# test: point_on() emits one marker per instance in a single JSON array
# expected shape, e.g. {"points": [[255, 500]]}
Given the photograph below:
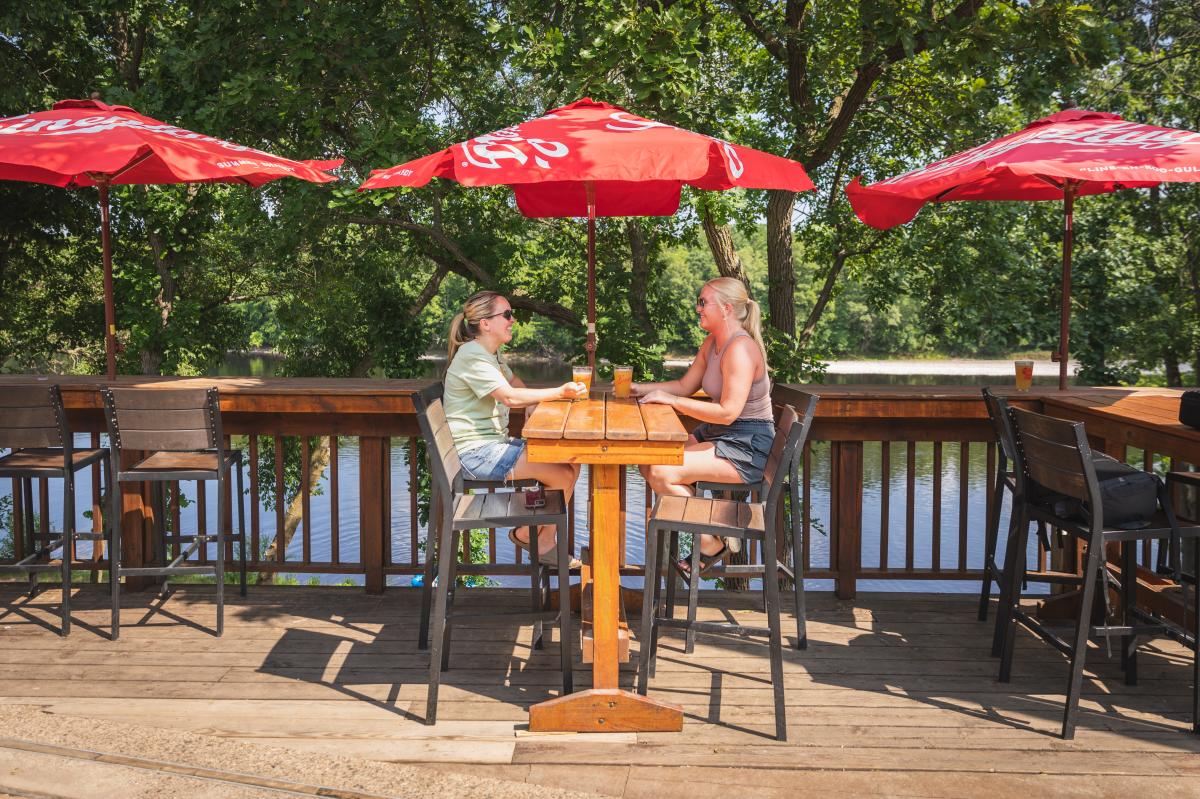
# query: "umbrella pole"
{"points": [[591, 253], [1065, 318], [110, 322]]}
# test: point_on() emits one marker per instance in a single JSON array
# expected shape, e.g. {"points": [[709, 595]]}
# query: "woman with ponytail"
{"points": [[732, 444], [479, 390]]}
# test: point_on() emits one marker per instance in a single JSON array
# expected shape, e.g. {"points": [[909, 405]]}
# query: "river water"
{"points": [[541, 371]]}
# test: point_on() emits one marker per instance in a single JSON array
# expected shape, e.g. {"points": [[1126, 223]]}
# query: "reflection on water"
{"points": [[954, 528]]}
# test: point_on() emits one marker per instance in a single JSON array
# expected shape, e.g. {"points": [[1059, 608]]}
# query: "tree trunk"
{"points": [[318, 461], [720, 242], [1174, 378], [781, 273], [639, 249]]}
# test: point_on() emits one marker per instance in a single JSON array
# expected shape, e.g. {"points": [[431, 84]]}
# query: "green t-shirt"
{"points": [[475, 417]]}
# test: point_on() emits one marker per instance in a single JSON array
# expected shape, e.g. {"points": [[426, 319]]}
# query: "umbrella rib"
{"points": [[135, 162]]}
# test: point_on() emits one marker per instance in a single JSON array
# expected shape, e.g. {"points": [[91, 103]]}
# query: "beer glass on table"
{"points": [[622, 380], [582, 374]]}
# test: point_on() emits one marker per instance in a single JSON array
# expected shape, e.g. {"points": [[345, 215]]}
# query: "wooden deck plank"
{"points": [[896, 685]]}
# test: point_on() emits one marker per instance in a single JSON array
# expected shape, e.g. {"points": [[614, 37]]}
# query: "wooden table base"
{"points": [[605, 708]]}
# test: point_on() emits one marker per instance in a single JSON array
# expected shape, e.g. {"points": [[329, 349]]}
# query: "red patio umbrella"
{"points": [[593, 159], [1060, 157], [88, 143]]}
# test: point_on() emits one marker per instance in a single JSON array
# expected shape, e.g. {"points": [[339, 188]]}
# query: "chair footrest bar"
{"points": [[1167, 629], [1044, 632], [720, 628], [549, 615], [166, 571], [1102, 630]]}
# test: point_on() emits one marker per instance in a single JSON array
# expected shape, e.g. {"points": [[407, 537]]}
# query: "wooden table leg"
{"points": [[605, 708]]}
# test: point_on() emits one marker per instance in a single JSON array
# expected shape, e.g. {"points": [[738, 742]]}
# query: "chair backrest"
{"points": [[172, 420], [1055, 454], [439, 441], [787, 449], [997, 409], [32, 416]]}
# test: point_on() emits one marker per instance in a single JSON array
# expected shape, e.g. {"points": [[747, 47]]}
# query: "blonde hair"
{"points": [[465, 325], [731, 291]]}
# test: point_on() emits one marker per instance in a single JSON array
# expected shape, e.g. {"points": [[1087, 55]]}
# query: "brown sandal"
{"points": [[684, 564], [547, 558]]}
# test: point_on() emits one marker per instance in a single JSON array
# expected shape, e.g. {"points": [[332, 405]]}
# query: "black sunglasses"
{"points": [[507, 314]]}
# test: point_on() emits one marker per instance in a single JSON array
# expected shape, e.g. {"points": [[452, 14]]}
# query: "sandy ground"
{"points": [[44, 755]]}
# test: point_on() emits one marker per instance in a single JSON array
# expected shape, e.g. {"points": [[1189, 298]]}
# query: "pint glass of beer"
{"points": [[582, 374], [622, 380], [1024, 374]]}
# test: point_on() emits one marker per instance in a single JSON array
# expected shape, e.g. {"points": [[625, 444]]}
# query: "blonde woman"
{"points": [[479, 391], [732, 444]]}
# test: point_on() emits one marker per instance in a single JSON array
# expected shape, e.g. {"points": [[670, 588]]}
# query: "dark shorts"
{"points": [[746, 444]]}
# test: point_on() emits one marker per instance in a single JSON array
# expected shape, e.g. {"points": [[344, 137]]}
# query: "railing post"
{"points": [[137, 523], [846, 505], [373, 508]]}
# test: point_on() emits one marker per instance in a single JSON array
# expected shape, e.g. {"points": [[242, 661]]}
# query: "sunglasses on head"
{"points": [[507, 314]]}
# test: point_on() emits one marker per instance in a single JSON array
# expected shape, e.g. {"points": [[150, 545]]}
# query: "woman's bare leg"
{"points": [[700, 462], [559, 476]]}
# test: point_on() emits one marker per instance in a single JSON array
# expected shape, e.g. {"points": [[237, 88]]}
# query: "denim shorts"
{"points": [[746, 444], [493, 460]]}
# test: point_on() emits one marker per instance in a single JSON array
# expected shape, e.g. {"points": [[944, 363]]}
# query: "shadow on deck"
{"points": [[896, 694]]}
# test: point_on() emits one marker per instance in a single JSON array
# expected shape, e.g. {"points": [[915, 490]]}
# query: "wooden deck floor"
{"points": [[896, 695]]}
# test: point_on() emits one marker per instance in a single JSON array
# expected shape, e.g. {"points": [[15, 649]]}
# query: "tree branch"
{"points": [[768, 40], [847, 104]]}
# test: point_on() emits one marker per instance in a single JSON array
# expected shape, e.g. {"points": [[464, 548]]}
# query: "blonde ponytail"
{"points": [[752, 322], [465, 325], [731, 291]]}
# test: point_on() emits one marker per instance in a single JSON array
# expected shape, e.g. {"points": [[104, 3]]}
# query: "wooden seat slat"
{"points": [[182, 461], [27, 417], [662, 423], [670, 507], [152, 398], [164, 419], [43, 458], [585, 421], [725, 513], [25, 396], [623, 420], [698, 510], [506, 505], [178, 440]]}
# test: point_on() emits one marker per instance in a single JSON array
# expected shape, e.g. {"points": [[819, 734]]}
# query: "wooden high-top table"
{"points": [[607, 434]]}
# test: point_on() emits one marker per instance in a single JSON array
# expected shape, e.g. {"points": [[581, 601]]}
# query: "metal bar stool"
{"points": [[1006, 481], [179, 433], [1055, 454], [461, 512], [34, 427], [756, 492], [462, 485], [757, 521]]}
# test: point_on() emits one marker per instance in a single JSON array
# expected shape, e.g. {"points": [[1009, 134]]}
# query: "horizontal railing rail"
{"points": [[895, 485]]}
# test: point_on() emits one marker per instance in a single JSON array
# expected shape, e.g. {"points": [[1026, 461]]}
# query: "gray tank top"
{"points": [[758, 402]]}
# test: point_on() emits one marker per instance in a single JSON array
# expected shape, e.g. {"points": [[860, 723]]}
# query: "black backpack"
{"points": [[1129, 495]]}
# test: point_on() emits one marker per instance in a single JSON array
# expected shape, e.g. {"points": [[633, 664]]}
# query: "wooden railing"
{"points": [[896, 426]]}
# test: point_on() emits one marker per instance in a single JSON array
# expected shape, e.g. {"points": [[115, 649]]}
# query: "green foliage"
{"points": [[344, 283], [6, 528]]}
